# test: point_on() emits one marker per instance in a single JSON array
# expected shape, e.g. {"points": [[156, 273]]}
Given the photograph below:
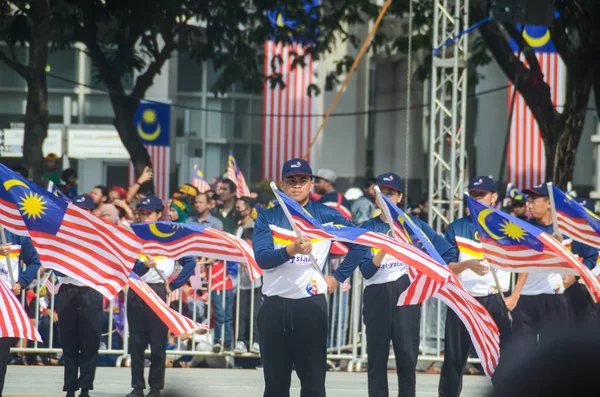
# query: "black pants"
{"points": [[246, 313], [385, 321], [538, 316], [457, 345], [5, 345], [145, 327], [293, 333], [80, 315], [582, 309]]}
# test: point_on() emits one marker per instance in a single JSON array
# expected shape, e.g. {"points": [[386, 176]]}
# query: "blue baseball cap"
{"points": [[296, 167], [150, 203], [84, 201], [587, 203], [538, 190], [390, 180], [482, 184]]}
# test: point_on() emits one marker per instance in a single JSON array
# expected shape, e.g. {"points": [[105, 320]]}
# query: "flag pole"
{"points": [[294, 227], [552, 204], [493, 270], [8, 265]]}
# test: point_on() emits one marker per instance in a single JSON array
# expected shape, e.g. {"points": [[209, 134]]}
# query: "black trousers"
{"points": [[145, 327], [5, 345], [385, 321], [293, 334], [458, 345], [246, 313], [538, 316], [582, 309], [80, 315]]}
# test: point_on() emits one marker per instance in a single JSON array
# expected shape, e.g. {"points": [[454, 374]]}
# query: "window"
{"points": [[8, 77], [189, 74], [63, 64], [241, 119]]}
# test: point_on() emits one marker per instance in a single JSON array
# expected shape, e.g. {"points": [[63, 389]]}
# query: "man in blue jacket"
{"points": [[386, 278], [292, 321], [145, 327], [16, 250]]}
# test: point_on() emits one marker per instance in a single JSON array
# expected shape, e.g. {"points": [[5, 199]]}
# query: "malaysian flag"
{"points": [[515, 245], [402, 251], [175, 240], [152, 121], [67, 238], [235, 174], [289, 123], [176, 322], [526, 157], [174, 296], [14, 321], [574, 220], [477, 320], [198, 180]]}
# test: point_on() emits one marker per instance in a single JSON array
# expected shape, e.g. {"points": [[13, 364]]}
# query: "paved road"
{"points": [[115, 382]]}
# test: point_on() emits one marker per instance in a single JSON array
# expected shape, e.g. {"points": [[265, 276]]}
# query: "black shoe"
{"points": [[84, 393], [153, 393], [136, 393], [70, 394], [16, 361]]}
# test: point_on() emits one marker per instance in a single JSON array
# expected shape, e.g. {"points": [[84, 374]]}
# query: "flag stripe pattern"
{"points": [[235, 174], [198, 180], [406, 253], [160, 156], [482, 329], [528, 250], [576, 221], [176, 322], [526, 157], [14, 321], [288, 125]]}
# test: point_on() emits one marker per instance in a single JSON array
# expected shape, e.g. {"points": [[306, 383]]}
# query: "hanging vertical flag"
{"points": [[289, 122], [152, 121], [14, 321], [526, 157], [198, 180], [235, 174]]}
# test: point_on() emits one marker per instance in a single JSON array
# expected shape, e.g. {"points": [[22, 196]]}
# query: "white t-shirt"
{"points": [[543, 283], [296, 278], [474, 284], [391, 269], [165, 265], [12, 261]]}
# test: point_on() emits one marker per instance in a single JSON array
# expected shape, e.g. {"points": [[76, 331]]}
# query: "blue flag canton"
{"points": [[504, 229], [198, 174], [538, 38], [573, 209], [165, 232], [300, 25], [41, 210], [152, 121]]}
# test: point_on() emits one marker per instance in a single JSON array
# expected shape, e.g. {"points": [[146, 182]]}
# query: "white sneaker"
{"points": [[255, 348], [217, 348], [240, 348]]}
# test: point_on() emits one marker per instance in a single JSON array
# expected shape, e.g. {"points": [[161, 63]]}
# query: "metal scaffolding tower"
{"points": [[447, 157]]}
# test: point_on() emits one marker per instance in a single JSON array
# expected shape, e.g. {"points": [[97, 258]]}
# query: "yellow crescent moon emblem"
{"points": [[537, 42], [280, 20], [154, 230], [149, 117], [481, 219], [14, 182]]}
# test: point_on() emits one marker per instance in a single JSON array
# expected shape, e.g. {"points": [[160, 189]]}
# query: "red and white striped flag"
{"points": [[67, 238], [160, 156], [243, 248], [176, 322], [288, 124], [14, 321], [526, 157], [174, 296], [198, 180], [235, 174]]}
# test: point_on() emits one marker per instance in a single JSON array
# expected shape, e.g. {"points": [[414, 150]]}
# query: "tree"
{"points": [[32, 23], [576, 37]]}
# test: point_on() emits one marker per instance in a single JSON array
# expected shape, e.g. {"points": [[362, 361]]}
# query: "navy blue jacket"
{"points": [[28, 256], [446, 251]]}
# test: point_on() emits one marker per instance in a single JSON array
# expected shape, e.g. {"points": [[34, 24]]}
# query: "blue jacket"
{"points": [[28, 255], [446, 251], [268, 257], [188, 265]]}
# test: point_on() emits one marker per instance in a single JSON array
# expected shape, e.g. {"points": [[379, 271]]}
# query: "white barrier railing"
{"points": [[346, 344]]}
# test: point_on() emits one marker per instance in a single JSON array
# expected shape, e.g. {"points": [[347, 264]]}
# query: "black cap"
{"points": [[538, 190], [391, 180], [150, 203], [482, 184], [84, 201], [296, 167]]}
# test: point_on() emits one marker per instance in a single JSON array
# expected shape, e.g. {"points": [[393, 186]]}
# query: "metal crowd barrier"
{"points": [[346, 344]]}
